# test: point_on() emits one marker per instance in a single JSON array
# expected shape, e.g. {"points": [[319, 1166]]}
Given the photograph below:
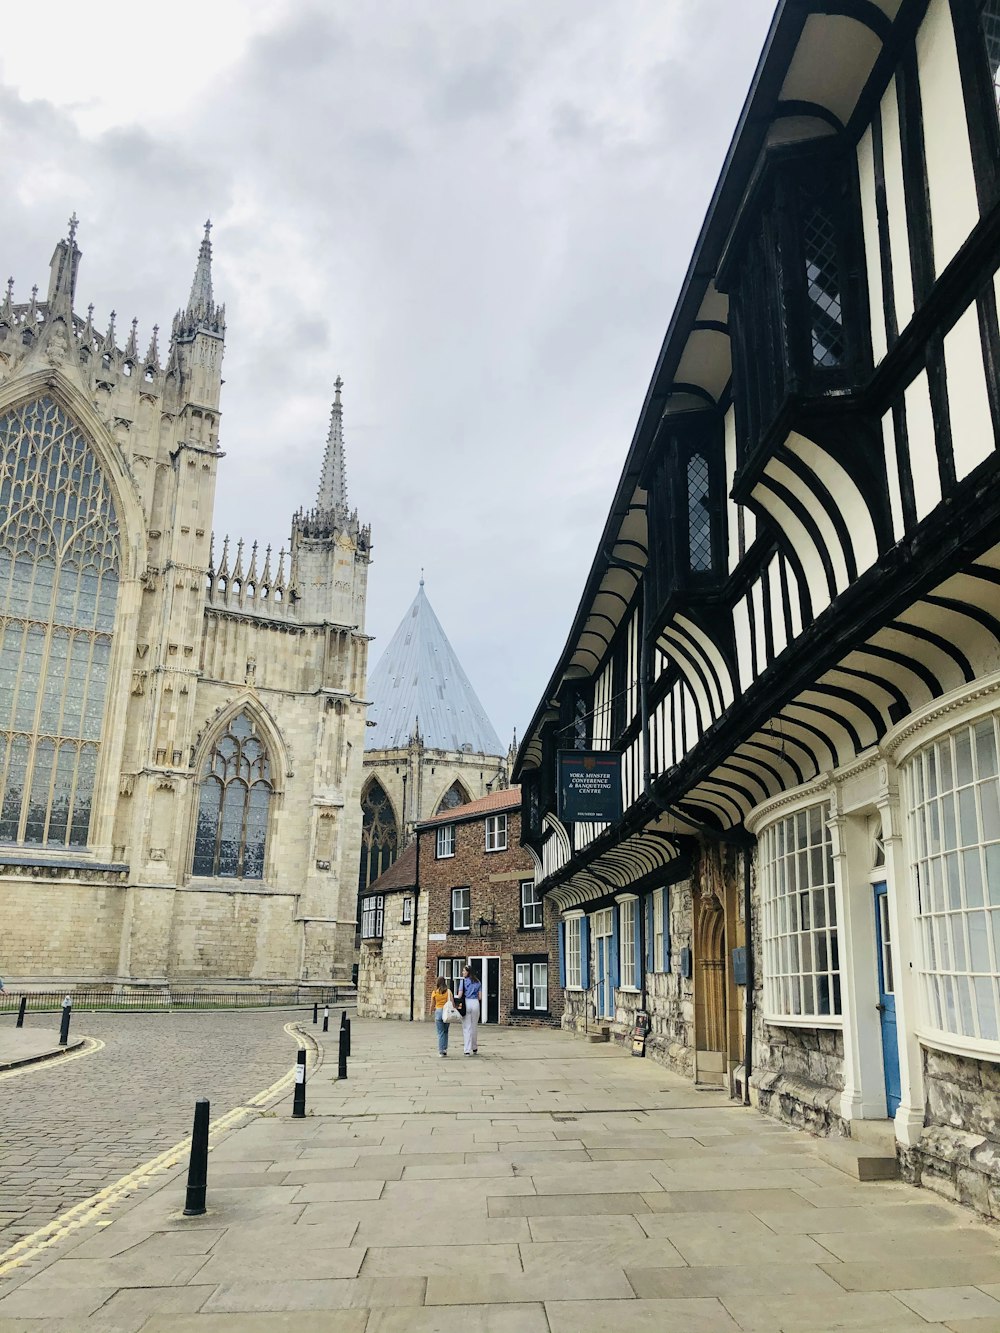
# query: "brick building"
{"points": [[463, 891]]}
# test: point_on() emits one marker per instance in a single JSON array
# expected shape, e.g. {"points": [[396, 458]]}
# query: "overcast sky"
{"points": [[478, 212]]}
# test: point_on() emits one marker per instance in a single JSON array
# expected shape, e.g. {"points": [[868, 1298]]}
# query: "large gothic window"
{"points": [[455, 795], [233, 804], [379, 835], [59, 569]]}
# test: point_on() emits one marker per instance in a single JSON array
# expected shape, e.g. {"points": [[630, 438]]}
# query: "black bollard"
{"points": [[315, 1014], [194, 1202], [20, 1011], [343, 1018], [326, 1019], [299, 1100], [342, 1054], [64, 1025], [347, 1029]]}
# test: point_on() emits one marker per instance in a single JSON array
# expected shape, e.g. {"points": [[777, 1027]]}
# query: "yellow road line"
{"points": [[89, 1210], [89, 1047]]}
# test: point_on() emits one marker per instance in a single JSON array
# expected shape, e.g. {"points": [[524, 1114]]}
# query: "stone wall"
{"points": [[958, 1152], [384, 967], [669, 999], [64, 930], [799, 1076]]}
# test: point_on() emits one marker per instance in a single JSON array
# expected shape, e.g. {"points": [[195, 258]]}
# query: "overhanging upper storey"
{"points": [[825, 396]]}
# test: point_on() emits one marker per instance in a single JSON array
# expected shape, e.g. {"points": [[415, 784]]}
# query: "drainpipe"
{"points": [[416, 917], [748, 940]]}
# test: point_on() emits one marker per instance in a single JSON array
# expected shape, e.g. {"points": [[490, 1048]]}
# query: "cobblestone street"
{"points": [[68, 1129]]}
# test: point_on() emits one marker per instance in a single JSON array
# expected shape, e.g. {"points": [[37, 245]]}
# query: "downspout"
{"points": [[748, 941], [416, 918]]}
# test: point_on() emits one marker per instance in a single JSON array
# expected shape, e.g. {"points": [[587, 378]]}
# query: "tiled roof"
{"points": [[419, 679], [402, 874], [509, 798]]}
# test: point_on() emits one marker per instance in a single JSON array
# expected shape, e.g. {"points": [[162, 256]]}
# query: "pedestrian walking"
{"points": [[470, 988], [441, 997]]}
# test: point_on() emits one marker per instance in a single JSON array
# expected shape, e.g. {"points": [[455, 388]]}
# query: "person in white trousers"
{"points": [[470, 988]]}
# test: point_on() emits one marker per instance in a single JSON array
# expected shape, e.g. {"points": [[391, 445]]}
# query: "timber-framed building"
{"points": [[791, 630]]}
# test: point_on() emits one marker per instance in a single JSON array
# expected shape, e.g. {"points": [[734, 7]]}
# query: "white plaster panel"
{"points": [[923, 450], [869, 218], [804, 547], [841, 485], [828, 533], [777, 606], [899, 244], [712, 653], [741, 618], [795, 599], [972, 434], [952, 185], [757, 592], [892, 473]]}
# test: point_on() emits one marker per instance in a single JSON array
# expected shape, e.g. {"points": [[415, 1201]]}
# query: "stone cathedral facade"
{"points": [[181, 719]]}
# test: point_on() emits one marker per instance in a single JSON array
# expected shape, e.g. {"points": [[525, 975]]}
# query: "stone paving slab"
{"points": [[28, 1045], [573, 1190]]}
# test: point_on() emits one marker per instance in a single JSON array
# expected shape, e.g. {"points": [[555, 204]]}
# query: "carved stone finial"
{"points": [[74, 222]]}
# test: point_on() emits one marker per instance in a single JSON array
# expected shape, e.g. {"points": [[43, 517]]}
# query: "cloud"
{"points": [[478, 214]]}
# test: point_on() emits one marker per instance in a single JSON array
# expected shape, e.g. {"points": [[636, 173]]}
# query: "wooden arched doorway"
{"points": [[711, 998]]}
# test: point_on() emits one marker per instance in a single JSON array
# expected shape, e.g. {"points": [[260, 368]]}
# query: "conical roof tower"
{"points": [[418, 685]]}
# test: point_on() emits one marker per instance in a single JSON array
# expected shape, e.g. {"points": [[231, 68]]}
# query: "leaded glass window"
{"points": [[59, 572], [826, 309], [699, 515], [379, 835], [233, 805]]}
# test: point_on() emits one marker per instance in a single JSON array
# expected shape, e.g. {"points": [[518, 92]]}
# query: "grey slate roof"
{"points": [[420, 677]]}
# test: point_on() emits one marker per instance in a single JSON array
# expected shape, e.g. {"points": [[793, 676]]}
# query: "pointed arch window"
{"points": [[59, 573], [455, 795], [234, 802], [379, 834]]}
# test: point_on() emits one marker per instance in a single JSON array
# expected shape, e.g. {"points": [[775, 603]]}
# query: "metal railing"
{"points": [[118, 999]]}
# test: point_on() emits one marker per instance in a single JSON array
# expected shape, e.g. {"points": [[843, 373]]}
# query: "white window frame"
{"points": [[573, 947], [460, 911], [531, 979], [444, 845], [952, 791], [407, 910], [628, 925], [532, 905], [802, 970], [372, 916], [496, 833], [658, 929]]}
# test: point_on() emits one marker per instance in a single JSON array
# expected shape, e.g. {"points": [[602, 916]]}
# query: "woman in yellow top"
{"points": [[440, 996]]}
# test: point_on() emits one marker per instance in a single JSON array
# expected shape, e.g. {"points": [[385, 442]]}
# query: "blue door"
{"points": [[887, 999], [602, 978]]}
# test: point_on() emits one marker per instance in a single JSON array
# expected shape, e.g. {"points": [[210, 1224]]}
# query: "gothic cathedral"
{"points": [[182, 721]]}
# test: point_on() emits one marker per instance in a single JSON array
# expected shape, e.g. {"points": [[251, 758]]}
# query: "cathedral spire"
{"points": [[200, 300], [62, 274], [333, 479], [201, 315]]}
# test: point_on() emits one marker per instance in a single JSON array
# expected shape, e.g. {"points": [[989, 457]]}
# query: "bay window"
{"points": [[801, 951]]}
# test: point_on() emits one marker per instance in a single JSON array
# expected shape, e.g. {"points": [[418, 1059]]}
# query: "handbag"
{"points": [[450, 1014], [460, 1002]]}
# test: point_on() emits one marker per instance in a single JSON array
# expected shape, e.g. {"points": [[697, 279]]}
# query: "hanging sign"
{"points": [[590, 786]]}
